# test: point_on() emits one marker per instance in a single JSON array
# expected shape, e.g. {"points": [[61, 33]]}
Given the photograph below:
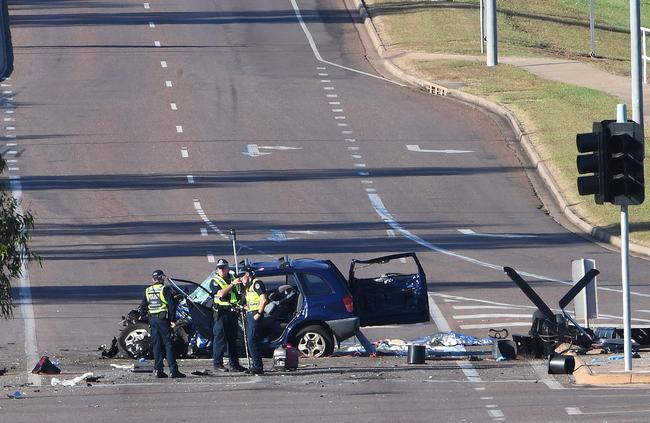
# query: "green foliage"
{"points": [[14, 235]]}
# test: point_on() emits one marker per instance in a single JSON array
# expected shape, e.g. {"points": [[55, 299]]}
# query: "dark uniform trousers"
{"points": [[224, 331], [253, 340], [162, 343]]}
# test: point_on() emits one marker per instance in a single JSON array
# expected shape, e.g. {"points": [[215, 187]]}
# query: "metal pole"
{"points": [[233, 235], [644, 56], [491, 24], [482, 28], [592, 28], [635, 62], [621, 116]]}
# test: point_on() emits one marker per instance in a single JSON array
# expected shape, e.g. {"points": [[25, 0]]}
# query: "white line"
{"points": [[10, 128], [210, 257], [363, 173], [184, 153], [491, 405], [314, 49], [11, 152], [337, 110], [9, 112], [372, 190], [163, 64], [390, 233], [572, 411], [479, 307], [10, 135], [359, 165], [437, 316], [204, 232], [323, 74], [179, 129], [168, 84], [146, 6], [342, 125], [326, 81], [495, 413], [173, 106], [152, 25], [346, 132], [156, 43], [328, 88], [334, 103], [351, 140], [356, 156], [321, 68], [470, 372], [197, 205], [352, 148], [7, 92], [11, 144], [11, 161], [489, 316], [14, 168], [190, 179], [339, 118], [471, 232], [495, 325], [367, 182], [487, 398]]}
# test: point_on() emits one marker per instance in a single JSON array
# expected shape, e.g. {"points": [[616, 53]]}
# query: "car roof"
{"points": [[291, 264]]}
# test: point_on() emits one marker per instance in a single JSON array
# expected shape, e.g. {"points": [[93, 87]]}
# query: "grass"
{"points": [[551, 112]]}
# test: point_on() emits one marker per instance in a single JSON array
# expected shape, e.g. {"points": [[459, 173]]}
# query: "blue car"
{"points": [[312, 305]]}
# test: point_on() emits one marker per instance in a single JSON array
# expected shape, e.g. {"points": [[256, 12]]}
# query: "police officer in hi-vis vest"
{"points": [[226, 290], [256, 300], [159, 304]]}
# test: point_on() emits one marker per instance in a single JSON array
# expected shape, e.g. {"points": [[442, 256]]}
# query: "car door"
{"points": [[389, 290]]}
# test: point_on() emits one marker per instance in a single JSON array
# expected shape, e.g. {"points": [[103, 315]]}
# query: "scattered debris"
{"points": [[142, 369], [45, 366], [70, 382], [93, 379], [16, 395], [109, 352], [123, 366], [3, 371]]}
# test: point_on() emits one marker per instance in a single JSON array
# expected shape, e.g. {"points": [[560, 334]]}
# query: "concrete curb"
{"points": [[583, 375], [537, 163]]}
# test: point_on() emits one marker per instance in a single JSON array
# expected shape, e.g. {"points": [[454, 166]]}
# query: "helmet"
{"points": [[222, 263], [158, 275]]}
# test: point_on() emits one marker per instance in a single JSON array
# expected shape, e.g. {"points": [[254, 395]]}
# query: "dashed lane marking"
{"points": [[204, 232], [152, 25], [190, 179], [573, 411], [210, 257], [184, 153], [168, 84], [163, 64], [156, 43], [146, 6], [173, 106], [179, 129]]}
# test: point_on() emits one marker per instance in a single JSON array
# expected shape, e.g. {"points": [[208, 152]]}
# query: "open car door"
{"points": [[389, 290]]}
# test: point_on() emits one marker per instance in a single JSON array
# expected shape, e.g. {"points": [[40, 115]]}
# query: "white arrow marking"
{"points": [[252, 150], [417, 149], [471, 232], [279, 236]]}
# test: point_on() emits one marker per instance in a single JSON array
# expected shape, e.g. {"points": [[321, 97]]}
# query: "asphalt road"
{"points": [[143, 132]]}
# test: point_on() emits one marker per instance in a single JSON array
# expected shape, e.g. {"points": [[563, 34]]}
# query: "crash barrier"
{"points": [[416, 354], [6, 58]]}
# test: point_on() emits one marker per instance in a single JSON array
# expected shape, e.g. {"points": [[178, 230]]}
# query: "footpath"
{"points": [[590, 369]]}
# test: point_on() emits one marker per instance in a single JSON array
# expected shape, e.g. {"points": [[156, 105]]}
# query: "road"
{"points": [[143, 132]]}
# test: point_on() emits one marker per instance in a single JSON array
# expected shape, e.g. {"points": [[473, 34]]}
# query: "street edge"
{"points": [[536, 162], [584, 375]]}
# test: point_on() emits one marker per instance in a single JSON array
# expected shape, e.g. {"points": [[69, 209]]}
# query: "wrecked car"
{"points": [[312, 306]]}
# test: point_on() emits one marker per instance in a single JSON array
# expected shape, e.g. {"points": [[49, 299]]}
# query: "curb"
{"points": [[532, 155], [583, 375]]}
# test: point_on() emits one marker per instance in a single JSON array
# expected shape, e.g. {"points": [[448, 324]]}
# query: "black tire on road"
{"points": [[135, 341], [314, 341]]}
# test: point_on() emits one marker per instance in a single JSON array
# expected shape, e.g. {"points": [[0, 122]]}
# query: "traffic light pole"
{"points": [[621, 117], [635, 62]]}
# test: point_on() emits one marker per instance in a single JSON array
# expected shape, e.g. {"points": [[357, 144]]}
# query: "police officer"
{"points": [[256, 300], [159, 304], [226, 290]]}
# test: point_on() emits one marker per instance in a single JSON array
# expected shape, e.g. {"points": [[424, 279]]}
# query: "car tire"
{"points": [[314, 341], [135, 341]]}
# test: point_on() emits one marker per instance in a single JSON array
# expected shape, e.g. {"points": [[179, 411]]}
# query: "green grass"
{"points": [[551, 112]]}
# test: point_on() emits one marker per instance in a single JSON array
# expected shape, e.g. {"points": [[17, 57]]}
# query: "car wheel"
{"points": [[135, 341], [314, 341]]}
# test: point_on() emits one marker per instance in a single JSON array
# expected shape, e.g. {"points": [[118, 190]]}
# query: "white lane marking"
{"points": [[359, 165], [9, 112], [252, 150], [437, 316], [152, 25], [495, 413], [13, 168], [197, 204], [204, 232], [8, 92], [156, 43], [314, 49], [210, 257], [346, 132], [416, 148], [367, 181], [323, 74], [356, 156], [487, 398], [146, 6], [279, 236], [5, 85], [337, 110], [11, 161], [278, 147], [480, 307], [490, 316], [471, 232], [179, 129], [541, 370], [173, 106], [491, 405], [25, 296], [572, 411], [326, 81], [390, 233], [332, 95], [381, 210], [470, 372], [321, 68], [11, 152], [10, 128], [363, 173], [334, 103], [11, 144], [495, 325], [10, 136], [168, 84], [373, 190], [351, 140], [190, 179], [480, 388], [351, 148], [184, 153], [343, 125], [339, 118], [328, 88], [163, 64]]}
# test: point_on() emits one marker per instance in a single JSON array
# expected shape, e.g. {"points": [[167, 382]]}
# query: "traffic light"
{"points": [[593, 162], [624, 163]]}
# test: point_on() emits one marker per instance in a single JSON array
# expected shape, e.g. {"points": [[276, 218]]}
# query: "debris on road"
{"points": [[70, 382], [45, 366], [202, 372], [109, 352], [3, 371], [16, 395]]}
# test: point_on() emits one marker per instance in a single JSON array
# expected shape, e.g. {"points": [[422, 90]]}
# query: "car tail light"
{"points": [[349, 305]]}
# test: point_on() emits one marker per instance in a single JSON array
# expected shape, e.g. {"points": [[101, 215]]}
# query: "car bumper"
{"points": [[344, 328]]}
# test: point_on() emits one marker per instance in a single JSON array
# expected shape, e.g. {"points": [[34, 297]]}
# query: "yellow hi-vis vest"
{"points": [[253, 299], [155, 299], [231, 299]]}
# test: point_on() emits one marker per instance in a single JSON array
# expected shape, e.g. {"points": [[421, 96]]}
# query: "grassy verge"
{"points": [[552, 112]]}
